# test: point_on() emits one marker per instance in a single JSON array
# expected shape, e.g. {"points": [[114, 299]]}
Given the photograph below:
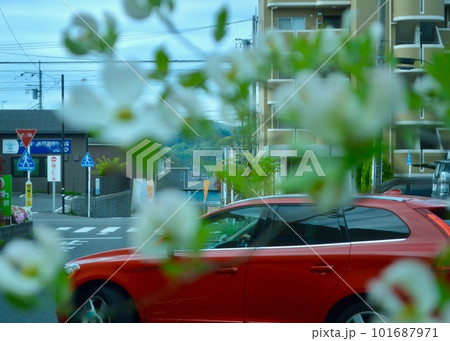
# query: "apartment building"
{"points": [[415, 30]]}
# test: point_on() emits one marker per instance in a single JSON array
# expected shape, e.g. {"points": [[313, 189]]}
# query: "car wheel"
{"points": [[106, 305], [360, 313]]}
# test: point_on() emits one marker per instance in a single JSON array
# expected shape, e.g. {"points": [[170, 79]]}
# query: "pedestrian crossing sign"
{"points": [[26, 163], [87, 161]]}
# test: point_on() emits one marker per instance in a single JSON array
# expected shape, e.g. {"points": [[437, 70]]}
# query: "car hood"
{"points": [[118, 255]]}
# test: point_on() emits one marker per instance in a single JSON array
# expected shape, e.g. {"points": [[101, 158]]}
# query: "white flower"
{"points": [[336, 112], [376, 31], [170, 222], [27, 267], [407, 291], [186, 100], [122, 117], [217, 71], [244, 66]]}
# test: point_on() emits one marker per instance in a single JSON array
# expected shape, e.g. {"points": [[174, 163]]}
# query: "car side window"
{"points": [[234, 228], [368, 223], [302, 224]]}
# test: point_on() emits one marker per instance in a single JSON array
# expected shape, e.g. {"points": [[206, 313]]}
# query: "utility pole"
{"points": [[40, 86], [377, 159], [62, 150]]}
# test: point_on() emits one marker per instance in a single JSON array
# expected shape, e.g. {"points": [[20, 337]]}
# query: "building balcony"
{"points": [[420, 10], [444, 34], [283, 137], [417, 156], [418, 116], [273, 85], [288, 36], [308, 3], [414, 56]]}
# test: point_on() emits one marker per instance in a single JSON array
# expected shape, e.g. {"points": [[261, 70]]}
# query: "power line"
{"points": [[14, 36], [103, 61]]}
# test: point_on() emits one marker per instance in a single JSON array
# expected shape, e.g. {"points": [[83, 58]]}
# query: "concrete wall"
{"points": [[105, 206], [7, 233]]}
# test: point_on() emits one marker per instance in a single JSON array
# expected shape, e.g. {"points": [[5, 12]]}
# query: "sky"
{"points": [[31, 31]]}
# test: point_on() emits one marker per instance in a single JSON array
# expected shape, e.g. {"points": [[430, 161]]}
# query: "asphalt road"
{"points": [[79, 236]]}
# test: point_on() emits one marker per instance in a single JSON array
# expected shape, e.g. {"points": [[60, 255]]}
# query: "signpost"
{"points": [[26, 163], [54, 173], [37, 146], [409, 163], [88, 162]]}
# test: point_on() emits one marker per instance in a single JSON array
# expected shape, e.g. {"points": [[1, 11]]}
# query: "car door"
{"points": [[217, 292], [304, 257]]}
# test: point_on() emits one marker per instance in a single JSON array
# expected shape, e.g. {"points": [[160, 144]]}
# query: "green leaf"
{"points": [[76, 48], [220, 30], [162, 62], [193, 79]]}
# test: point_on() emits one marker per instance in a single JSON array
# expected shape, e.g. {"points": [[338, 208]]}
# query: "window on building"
{"points": [[429, 138], [332, 21], [297, 225], [367, 223], [292, 23], [406, 137], [444, 138]]}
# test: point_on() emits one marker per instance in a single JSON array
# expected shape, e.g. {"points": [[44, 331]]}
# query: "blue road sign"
{"points": [[26, 163], [408, 160], [87, 161]]}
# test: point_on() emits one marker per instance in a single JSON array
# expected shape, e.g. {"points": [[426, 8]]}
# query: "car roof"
{"points": [[413, 201]]}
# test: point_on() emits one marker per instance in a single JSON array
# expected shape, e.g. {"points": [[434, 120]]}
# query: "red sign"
{"points": [[26, 135]]}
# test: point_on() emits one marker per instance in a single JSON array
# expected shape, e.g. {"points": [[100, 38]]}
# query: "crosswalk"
{"points": [[79, 236], [101, 231]]}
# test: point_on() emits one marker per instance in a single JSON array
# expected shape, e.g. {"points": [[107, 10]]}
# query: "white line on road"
{"points": [[109, 230], [64, 228], [90, 238], [85, 229], [132, 229]]}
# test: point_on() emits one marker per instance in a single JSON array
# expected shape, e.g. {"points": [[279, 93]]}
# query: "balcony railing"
{"points": [[432, 10], [308, 3], [417, 156], [417, 54]]}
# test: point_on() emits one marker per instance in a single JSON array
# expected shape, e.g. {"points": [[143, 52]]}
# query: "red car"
{"points": [[275, 259]]}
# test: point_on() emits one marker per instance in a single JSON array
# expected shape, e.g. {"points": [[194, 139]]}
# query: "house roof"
{"points": [[45, 121]]}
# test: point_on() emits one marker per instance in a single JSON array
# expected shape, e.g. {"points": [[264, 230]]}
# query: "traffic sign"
{"points": [[54, 168], [26, 163], [408, 160], [87, 161], [26, 135]]}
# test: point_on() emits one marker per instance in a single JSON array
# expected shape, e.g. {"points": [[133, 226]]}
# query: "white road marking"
{"points": [[91, 238], [85, 229], [75, 242], [64, 228], [67, 248], [132, 229], [109, 230]]}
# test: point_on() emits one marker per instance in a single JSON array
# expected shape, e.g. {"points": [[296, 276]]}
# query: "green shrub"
{"points": [[106, 166]]}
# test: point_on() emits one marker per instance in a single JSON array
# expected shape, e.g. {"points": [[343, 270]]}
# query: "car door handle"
{"points": [[322, 269], [226, 271]]}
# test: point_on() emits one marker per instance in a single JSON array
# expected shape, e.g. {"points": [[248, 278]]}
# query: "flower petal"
{"points": [[123, 82]]}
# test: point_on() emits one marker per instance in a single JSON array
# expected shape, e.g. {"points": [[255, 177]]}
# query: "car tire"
{"points": [[360, 313], [107, 305]]}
